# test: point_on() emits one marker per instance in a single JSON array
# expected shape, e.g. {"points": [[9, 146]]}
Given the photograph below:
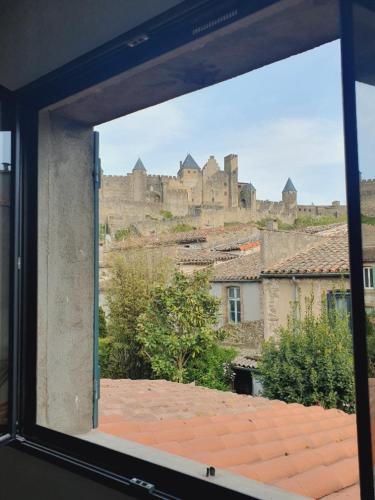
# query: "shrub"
{"points": [[182, 228], [123, 234], [312, 360], [178, 332], [166, 214], [367, 219], [102, 323], [127, 298]]}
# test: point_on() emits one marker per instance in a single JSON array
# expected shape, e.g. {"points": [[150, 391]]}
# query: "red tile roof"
{"points": [[246, 267], [305, 450], [330, 255], [202, 256]]}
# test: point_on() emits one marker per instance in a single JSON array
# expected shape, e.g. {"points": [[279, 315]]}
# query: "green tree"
{"points": [[370, 330], [312, 360], [178, 331], [102, 323], [128, 295]]}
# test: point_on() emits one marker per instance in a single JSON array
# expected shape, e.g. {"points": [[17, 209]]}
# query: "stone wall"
{"points": [[279, 245], [280, 293], [246, 336]]}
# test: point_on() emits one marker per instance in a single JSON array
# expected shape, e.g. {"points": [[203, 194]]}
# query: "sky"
{"points": [[283, 120]]}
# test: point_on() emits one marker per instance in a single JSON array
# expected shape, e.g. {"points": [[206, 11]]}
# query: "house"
{"points": [[257, 295]]}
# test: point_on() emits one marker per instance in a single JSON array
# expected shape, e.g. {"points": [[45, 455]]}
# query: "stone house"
{"points": [[257, 295]]}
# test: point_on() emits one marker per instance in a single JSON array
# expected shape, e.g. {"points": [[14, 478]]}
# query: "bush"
{"points": [[102, 323], [182, 228], [123, 234], [178, 332], [127, 297], [370, 329], [213, 369], [367, 219], [166, 214], [312, 361]]}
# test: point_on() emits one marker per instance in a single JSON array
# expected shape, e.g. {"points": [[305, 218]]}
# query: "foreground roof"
{"points": [[330, 255], [305, 450], [246, 267]]}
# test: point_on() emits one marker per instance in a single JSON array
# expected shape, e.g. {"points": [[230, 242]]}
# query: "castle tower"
{"points": [[248, 197], [190, 176], [289, 195], [139, 181], [231, 169]]}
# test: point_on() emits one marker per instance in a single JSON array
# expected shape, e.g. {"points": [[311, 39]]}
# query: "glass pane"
{"points": [[364, 44], [5, 190], [178, 235]]}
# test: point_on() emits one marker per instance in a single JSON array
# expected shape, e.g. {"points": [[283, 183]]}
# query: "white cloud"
{"points": [[140, 134], [309, 150]]}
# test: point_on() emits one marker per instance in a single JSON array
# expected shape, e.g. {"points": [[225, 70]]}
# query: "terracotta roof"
{"points": [[305, 450], [336, 229], [246, 267], [239, 244], [330, 255], [202, 256]]}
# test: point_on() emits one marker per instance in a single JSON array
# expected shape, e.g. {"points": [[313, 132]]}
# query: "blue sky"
{"points": [[283, 120]]}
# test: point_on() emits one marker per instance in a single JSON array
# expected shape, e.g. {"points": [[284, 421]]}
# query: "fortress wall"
{"points": [[176, 201], [216, 189]]}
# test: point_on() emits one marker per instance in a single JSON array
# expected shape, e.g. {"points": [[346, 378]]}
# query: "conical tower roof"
{"points": [[139, 166], [189, 162], [289, 186]]}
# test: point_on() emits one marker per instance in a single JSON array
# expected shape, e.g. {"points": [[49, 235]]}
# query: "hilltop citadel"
{"points": [[207, 196]]}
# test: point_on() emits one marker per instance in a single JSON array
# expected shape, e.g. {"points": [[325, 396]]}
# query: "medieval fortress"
{"points": [[200, 196]]}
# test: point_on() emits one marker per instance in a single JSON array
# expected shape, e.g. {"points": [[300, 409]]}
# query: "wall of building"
{"points": [[278, 245], [65, 275], [247, 335], [280, 293]]}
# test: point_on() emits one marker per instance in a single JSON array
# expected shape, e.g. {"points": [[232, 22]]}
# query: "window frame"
{"points": [[237, 301], [100, 463], [368, 276]]}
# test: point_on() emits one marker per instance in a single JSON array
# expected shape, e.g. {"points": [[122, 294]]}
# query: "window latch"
{"points": [[143, 484]]}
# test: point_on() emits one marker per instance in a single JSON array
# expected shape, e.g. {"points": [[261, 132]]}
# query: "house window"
{"points": [[339, 301], [368, 277], [234, 304]]}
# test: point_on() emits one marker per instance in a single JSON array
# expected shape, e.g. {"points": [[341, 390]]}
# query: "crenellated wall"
{"points": [[211, 195]]}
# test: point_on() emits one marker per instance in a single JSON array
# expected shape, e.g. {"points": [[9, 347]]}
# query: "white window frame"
{"points": [[234, 299], [368, 278]]}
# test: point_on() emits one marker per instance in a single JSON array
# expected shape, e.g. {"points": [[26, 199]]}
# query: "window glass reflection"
{"points": [[5, 169]]}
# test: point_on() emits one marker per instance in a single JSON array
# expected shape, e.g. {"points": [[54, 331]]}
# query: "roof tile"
{"points": [[306, 450]]}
